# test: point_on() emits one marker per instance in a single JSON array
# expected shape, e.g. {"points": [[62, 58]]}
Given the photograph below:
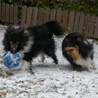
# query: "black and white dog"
{"points": [[78, 51], [30, 41]]}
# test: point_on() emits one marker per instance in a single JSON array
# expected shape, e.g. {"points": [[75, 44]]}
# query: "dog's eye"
{"points": [[79, 39], [16, 43], [66, 39], [10, 42]]}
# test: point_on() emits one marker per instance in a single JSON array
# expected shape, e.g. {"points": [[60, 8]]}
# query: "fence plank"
{"points": [[96, 29], [52, 14], [7, 13], [15, 15], [11, 13], [46, 16], [71, 21], [3, 12], [64, 19], [29, 14], [81, 23], [86, 25], [91, 30], [0, 13], [35, 13], [76, 25], [58, 16], [40, 16], [23, 19]]}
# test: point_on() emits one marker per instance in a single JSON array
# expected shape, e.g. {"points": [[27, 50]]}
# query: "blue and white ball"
{"points": [[11, 60]]}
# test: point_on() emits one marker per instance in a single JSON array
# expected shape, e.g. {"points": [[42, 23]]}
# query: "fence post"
{"points": [[52, 14], [0, 13], [15, 15], [96, 29], [11, 13], [23, 18], [3, 12], [7, 13], [35, 13], [86, 25], [29, 15], [81, 23], [71, 21], [46, 15], [59, 15], [65, 19], [76, 24], [91, 29], [40, 16]]}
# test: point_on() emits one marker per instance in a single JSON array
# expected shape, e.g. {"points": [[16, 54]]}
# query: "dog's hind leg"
{"points": [[43, 57], [53, 56]]}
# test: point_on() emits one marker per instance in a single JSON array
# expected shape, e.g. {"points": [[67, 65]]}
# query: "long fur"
{"points": [[32, 40], [78, 51]]}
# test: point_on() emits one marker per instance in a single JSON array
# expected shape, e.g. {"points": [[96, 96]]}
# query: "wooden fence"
{"points": [[77, 22], [84, 0]]}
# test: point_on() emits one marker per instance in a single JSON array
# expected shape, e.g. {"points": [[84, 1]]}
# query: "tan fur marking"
{"points": [[75, 53], [79, 39]]}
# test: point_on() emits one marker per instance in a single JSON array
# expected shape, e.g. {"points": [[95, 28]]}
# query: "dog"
{"points": [[78, 51], [30, 41]]}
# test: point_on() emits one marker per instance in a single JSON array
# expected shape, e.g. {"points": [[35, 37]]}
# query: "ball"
{"points": [[11, 60]]}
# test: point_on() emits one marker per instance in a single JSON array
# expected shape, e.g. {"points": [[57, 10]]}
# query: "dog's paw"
{"points": [[56, 65], [22, 70], [95, 68], [89, 70]]}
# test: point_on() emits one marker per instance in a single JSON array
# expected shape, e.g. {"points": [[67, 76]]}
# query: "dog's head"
{"points": [[72, 40], [76, 43], [14, 39]]}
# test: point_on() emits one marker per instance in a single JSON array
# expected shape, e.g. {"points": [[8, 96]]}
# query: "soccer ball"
{"points": [[11, 60]]}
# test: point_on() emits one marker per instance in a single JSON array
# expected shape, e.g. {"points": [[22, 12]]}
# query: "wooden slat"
{"points": [[15, 15], [7, 13], [71, 21], [0, 13], [86, 25], [23, 19], [46, 15], [11, 13], [65, 19], [76, 24], [3, 12], [40, 16], [58, 16], [35, 13], [81, 23], [91, 30], [96, 29], [52, 14], [29, 14]]}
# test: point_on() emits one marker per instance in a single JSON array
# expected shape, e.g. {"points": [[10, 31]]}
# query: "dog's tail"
{"points": [[55, 28]]}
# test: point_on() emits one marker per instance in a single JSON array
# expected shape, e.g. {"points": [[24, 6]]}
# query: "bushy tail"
{"points": [[54, 28]]}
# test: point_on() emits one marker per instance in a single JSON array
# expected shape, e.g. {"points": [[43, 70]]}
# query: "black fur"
{"points": [[41, 38], [85, 47]]}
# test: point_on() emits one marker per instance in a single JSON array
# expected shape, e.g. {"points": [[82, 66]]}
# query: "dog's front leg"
{"points": [[26, 65], [94, 65]]}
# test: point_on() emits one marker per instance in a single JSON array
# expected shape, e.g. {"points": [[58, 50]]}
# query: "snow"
{"points": [[48, 81]]}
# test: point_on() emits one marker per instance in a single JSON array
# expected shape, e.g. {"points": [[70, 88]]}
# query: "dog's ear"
{"points": [[10, 29]]}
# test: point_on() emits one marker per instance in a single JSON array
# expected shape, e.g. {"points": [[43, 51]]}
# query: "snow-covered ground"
{"points": [[47, 81]]}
